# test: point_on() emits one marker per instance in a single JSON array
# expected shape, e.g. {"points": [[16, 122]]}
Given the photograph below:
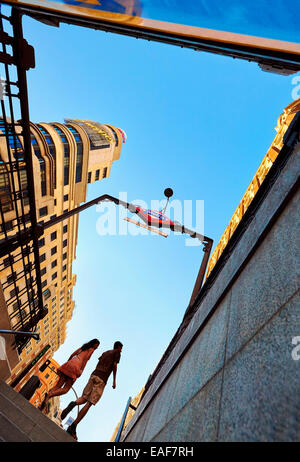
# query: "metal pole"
{"points": [[29, 334], [40, 227], [198, 284], [117, 439], [104, 197], [133, 209]]}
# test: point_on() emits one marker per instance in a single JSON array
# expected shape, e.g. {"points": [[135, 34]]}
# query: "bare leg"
{"points": [[82, 412], [80, 401], [71, 405], [59, 384], [72, 428], [61, 388]]}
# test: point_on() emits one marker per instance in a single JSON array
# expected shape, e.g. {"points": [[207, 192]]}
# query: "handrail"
{"points": [[128, 405]]}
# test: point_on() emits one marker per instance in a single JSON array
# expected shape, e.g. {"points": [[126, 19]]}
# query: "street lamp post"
{"points": [[25, 237]]}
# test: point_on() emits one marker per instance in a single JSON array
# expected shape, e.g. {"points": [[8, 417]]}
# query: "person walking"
{"points": [[107, 364], [70, 371]]}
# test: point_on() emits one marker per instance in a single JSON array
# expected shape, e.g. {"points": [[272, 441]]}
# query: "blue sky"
{"points": [[196, 122]]}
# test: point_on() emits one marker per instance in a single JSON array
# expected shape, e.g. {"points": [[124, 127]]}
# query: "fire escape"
{"points": [[19, 230]]}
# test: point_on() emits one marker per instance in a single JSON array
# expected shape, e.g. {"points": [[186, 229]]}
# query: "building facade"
{"points": [[48, 378], [66, 157]]}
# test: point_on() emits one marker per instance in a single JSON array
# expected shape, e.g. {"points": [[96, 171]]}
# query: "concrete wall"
{"points": [[237, 380]]}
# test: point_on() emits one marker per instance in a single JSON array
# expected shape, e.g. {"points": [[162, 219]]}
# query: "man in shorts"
{"points": [[92, 392]]}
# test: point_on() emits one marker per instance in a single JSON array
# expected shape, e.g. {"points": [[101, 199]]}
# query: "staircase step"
{"points": [[23, 422], [31, 422], [11, 433]]}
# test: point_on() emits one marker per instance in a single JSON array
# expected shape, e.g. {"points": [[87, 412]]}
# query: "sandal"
{"points": [[68, 409], [72, 431]]}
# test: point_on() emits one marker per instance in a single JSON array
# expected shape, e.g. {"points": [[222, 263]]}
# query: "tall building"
{"points": [[66, 157]]}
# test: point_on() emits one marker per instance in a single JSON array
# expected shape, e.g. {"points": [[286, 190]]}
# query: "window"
{"points": [[14, 292], [97, 175], [104, 172], [41, 242], [43, 271], [53, 236], [31, 295], [64, 267], [65, 242], [66, 197], [5, 192], [41, 160], [6, 261], [27, 267], [65, 228], [52, 216], [66, 154], [54, 264], [89, 177], [79, 157], [26, 251], [35, 303], [20, 316], [44, 283], [54, 276], [52, 150], [64, 256], [66, 164], [11, 277], [42, 257], [43, 211], [53, 250], [15, 306], [24, 185], [8, 225]]}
